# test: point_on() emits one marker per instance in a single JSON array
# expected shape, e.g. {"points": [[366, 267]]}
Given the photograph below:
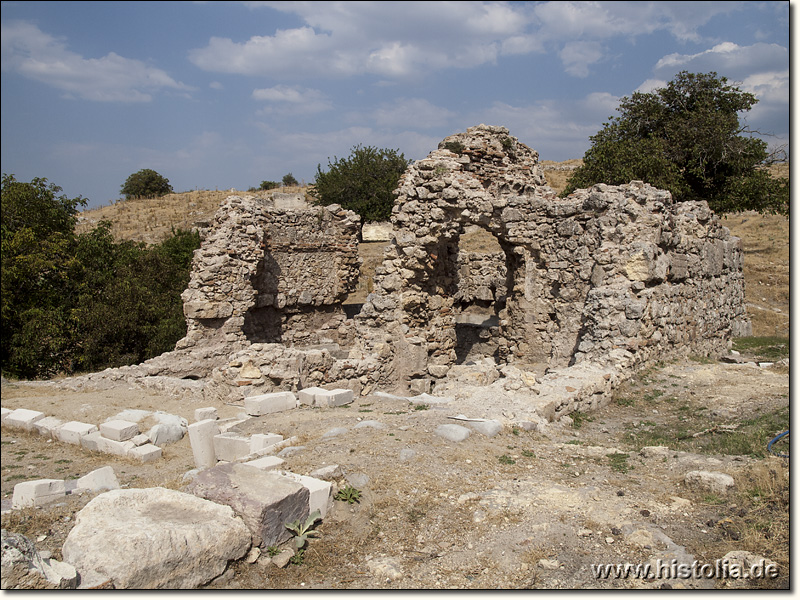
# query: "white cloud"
{"points": [[728, 59], [603, 20], [416, 113], [37, 55], [389, 39], [577, 56], [404, 39], [650, 85], [284, 99]]}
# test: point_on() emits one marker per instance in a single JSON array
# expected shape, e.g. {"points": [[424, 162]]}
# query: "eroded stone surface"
{"points": [[264, 499], [153, 538]]}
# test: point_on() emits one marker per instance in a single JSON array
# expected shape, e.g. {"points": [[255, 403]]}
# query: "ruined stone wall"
{"points": [[613, 277], [612, 274], [481, 278], [268, 274]]}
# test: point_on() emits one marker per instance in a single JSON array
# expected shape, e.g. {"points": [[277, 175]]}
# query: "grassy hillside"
{"points": [[150, 220]]}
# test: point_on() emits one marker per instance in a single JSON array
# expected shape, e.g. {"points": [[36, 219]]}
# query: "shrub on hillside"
{"points": [[146, 184], [269, 185], [364, 182]]}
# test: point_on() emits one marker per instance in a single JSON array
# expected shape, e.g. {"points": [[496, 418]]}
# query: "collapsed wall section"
{"points": [[269, 274]]}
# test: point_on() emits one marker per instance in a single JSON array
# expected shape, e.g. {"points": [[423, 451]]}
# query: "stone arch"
{"points": [[484, 178]]}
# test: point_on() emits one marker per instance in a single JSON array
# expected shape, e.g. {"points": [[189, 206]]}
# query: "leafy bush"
{"points": [[36, 206], [686, 138], [269, 185], [146, 184], [83, 302], [364, 182], [289, 180]]}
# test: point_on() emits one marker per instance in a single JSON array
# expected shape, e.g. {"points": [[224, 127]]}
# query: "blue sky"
{"points": [[219, 95]]}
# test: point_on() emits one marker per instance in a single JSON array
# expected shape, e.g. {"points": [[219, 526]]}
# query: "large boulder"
{"points": [[153, 538], [265, 500]]}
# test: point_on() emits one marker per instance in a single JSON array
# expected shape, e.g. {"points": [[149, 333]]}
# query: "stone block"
{"points": [[338, 397], [73, 431], [265, 500], [146, 453], [209, 412], [162, 434], [710, 481], [259, 441], [98, 480], [377, 232], [225, 425], [48, 426], [488, 428], [265, 404], [308, 396], [119, 430], [22, 418], [153, 538], [201, 438], [370, 424], [141, 439], [319, 492], [334, 432], [114, 447], [453, 433], [328, 473], [38, 492], [4, 412], [230, 446], [266, 463], [90, 441]]}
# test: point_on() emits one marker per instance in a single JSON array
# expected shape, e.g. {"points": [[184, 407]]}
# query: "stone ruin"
{"points": [[584, 289]]}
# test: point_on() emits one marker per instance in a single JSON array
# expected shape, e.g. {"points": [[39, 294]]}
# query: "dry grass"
{"points": [[766, 269], [557, 173], [757, 519], [151, 220]]}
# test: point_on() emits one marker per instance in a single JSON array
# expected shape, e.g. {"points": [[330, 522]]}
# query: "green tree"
{"points": [[36, 251], [83, 302], [269, 185], [146, 184], [130, 308], [289, 180], [687, 138], [364, 182], [36, 206]]}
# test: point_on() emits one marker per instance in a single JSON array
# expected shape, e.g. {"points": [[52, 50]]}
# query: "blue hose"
{"points": [[775, 439]]}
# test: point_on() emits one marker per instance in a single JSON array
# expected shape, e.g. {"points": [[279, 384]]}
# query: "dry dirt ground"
{"points": [[518, 510]]}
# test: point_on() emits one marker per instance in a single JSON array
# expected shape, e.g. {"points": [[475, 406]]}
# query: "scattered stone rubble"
{"points": [[116, 436], [24, 568], [45, 491]]}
